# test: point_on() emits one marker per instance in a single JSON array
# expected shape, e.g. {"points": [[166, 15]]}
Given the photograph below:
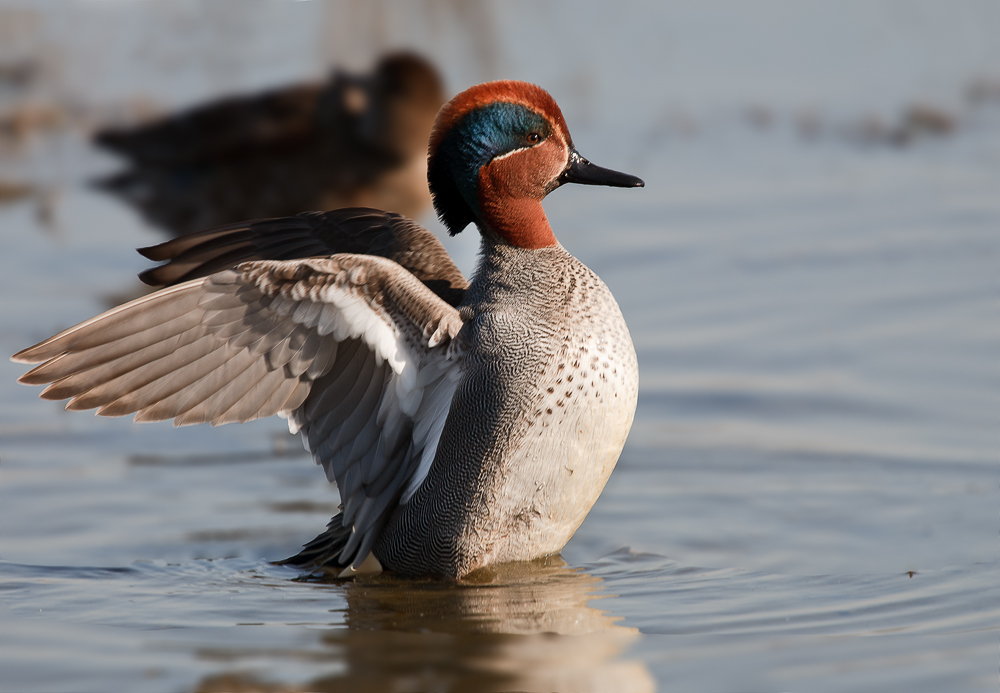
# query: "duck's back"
{"points": [[537, 423]]}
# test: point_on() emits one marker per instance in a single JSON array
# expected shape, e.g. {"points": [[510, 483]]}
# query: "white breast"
{"points": [[573, 438]]}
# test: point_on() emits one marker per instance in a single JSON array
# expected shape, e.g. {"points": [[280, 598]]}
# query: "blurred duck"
{"points": [[353, 141], [465, 424]]}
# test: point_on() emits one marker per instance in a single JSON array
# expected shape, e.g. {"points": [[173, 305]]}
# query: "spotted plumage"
{"points": [[465, 423]]}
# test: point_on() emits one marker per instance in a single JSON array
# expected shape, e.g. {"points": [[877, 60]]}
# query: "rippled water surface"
{"points": [[809, 498]]}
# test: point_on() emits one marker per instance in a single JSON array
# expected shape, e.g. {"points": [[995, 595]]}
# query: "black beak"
{"points": [[582, 171]]}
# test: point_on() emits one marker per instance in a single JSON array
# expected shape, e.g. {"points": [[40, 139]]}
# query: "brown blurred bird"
{"points": [[351, 141]]}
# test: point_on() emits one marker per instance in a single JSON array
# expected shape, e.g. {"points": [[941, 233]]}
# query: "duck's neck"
{"points": [[504, 269], [520, 222], [510, 202]]}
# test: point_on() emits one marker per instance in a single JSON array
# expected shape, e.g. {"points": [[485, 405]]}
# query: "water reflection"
{"points": [[525, 627]]}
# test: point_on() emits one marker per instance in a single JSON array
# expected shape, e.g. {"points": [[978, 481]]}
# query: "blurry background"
{"points": [[810, 277]]}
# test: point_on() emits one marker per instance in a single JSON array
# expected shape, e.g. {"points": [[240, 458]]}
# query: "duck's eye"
{"points": [[534, 138]]}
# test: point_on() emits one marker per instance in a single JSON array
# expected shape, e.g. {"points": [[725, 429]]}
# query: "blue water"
{"points": [[809, 497]]}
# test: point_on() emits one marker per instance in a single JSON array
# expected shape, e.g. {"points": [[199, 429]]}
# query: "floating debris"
{"points": [[923, 119], [809, 124], [18, 75], [917, 122], [15, 191], [983, 91], [759, 116], [44, 199], [28, 118]]}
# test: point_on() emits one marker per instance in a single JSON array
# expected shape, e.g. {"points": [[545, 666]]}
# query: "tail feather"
{"points": [[324, 552]]}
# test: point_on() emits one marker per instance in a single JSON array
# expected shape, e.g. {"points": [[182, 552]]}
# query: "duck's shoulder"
{"points": [[544, 282], [528, 304]]}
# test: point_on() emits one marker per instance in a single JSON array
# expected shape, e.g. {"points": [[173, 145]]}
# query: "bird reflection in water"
{"points": [[519, 626], [354, 141]]}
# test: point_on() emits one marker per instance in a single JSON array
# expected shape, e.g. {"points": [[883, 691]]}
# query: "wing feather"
{"points": [[151, 381], [311, 234], [92, 368], [206, 400], [359, 355]]}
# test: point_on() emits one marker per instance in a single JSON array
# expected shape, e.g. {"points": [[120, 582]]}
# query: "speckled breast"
{"points": [[568, 441], [537, 423]]}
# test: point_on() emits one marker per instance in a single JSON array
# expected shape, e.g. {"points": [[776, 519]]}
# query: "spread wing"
{"points": [[358, 354], [312, 234]]}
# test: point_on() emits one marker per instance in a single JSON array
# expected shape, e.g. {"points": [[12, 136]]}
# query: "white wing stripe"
{"points": [[430, 422], [358, 355]]}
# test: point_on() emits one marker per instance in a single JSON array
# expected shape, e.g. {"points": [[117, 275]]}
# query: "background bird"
{"points": [[356, 140]]}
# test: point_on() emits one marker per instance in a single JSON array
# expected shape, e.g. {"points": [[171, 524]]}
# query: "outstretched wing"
{"points": [[359, 355], [311, 234]]}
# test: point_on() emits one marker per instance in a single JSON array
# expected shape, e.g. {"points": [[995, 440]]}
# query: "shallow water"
{"points": [[808, 499]]}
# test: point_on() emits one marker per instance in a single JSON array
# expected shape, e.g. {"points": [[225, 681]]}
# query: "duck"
{"points": [[354, 140], [465, 423]]}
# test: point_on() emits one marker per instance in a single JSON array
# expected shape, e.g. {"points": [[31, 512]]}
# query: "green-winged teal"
{"points": [[465, 423]]}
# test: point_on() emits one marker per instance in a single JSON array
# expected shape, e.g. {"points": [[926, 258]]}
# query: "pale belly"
{"points": [[571, 443]]}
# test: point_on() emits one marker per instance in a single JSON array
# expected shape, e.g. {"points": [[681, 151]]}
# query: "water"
{"points": [[808, 500]]}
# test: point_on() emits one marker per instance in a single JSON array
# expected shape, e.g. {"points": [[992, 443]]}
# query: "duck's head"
{"points": [[496, 151], [406, 95]]}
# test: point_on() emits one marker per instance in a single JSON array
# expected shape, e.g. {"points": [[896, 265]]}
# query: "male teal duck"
{"points": [[465, 423], [352, 141]]}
